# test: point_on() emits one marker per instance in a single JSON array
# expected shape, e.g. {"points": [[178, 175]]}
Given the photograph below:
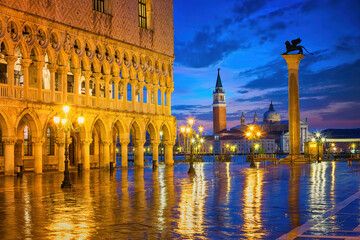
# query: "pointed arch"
{"points": [[29, 117]]}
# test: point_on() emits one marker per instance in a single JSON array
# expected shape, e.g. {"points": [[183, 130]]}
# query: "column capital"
{"points": [[116, 79], [87, 74], [162, 88], [107, 77], [25, 62], [124, 141], [97, 75], [76, 71], [138, 142], [293, 60], [133, 82], [155, 142], [106, 142], [38, 140], [63, 69], [9, 140], [168, 143], [39, 64], [86, 141], [60, 141], [169, 90], [52, 67], [11, 59]]}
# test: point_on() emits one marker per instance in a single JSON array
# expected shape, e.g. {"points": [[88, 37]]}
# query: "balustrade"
{"points": [[4, 90], [49, 96]]}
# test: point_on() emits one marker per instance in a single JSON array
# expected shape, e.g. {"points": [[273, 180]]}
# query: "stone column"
{"points": [[85, 152], [155, 88], [116, 81], [63, 76], [149, 93], [106, 152], [139, 152], [97, 77], [162, 89], [155, 149], [38, 142], [87, 75], [76, 72], [25, 64], [39, 68], [52, 68], [168, 99], [124, 152], [9, 143], [60, 141], [133, 94], [141, 102], [169, 159], [10, 60], [293, 61], [107, 79]]}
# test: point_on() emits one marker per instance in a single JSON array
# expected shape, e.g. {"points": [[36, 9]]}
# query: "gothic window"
{"points": [[142, 14], [70, 82], [50, 142], [56, 81], [165, 103], [145, 94], [27, 142], [92, 145], [99, 5], [159, 97], [1, 145], [129, 89]]}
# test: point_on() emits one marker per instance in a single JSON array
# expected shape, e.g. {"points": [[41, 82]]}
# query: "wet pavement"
{"points": [[223, 201]]}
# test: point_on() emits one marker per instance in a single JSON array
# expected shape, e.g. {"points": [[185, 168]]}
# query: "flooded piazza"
{"points": [[222, 201]]}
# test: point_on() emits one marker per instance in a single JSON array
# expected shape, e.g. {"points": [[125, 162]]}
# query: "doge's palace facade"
{"points": [[109, 60]]}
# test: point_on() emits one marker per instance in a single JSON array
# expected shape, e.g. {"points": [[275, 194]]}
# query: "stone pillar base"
{"points": [[296, 159]]}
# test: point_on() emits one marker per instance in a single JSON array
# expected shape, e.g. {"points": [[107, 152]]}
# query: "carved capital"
{"points": [[11, 59], [106, 142], [155, 142], [38, 140], [169, 143], [86, 141], [60, 141], [52, 67], [39, 64], [169, 90], [116, 80], [124, 141], [97, 76], [138, 142], [76, 71], [107, 77], [25, 63], [87, 74], [9, 140]]}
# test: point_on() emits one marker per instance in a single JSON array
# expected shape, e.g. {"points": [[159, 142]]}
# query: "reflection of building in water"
{"points": [[294, 194], [191, 205], [252, 202]]}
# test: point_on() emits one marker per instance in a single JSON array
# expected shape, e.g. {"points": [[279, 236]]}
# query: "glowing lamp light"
{"points": [[66, 109], [81, 120], [258, 133], [313, 139], [251, 128], [256, 146], [63, 121], [192, 140], [248, 134], [56, 120], [333, 144], [188, 130], [161, 133], [191, 121], [227, 145], [323, 139], [202, 140], [182, 129], [201, 129], [317, 134]]}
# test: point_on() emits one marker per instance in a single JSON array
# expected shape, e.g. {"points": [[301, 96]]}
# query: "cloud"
{"points": [[187, 107], [348, 44]]}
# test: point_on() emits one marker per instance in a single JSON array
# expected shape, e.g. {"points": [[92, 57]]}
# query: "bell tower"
{"points": [[219, 106]]}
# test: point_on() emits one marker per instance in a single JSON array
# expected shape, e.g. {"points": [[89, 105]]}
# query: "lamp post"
{"points": [[318, 139], [252, 134], [65, 127]]}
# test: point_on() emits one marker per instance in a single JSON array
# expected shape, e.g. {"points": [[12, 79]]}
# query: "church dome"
{"points": [[271, 115]]}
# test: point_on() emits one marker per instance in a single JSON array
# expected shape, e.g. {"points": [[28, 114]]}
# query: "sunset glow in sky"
{"points": [[245, 39]]}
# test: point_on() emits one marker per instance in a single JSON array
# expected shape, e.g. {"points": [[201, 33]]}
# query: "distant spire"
{"points": [[242, 115], [218, 80], [271, 107], [255, 118]]}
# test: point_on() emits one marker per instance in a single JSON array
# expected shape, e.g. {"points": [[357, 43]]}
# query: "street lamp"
{"points": [[252, 134], [65, 127], [318, 139]]}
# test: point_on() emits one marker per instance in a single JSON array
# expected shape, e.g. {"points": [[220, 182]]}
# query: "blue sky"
{"points": [[244, 38]]}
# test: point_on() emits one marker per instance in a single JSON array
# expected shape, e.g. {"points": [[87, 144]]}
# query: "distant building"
{"points": [[275, 135]]}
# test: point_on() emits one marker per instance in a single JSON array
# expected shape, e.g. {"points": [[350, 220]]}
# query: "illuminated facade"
{"points": [[112, 64]]}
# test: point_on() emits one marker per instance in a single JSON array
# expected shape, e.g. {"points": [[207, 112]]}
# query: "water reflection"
{"points": [[223, 200], [252, 200]]}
